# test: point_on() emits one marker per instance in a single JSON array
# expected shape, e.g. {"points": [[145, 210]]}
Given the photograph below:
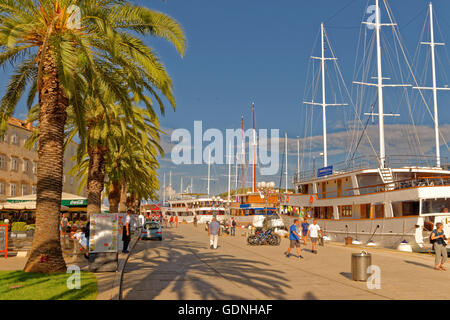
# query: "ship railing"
{"points": [[396, 185], [371, 162]]}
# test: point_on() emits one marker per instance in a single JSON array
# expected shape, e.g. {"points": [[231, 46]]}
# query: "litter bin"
{"points": [[348, 241], [360, 262]]}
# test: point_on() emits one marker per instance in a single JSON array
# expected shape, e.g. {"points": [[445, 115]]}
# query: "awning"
{"points": [[67, 199], [28, 205]]}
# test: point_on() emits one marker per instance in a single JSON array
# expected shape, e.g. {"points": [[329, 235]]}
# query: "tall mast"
{"points": [[243, 157], [236, 174], [380, 85], [298, 158], [324, 103], [192, 184], [286, 152], [254, 149], [164, 189], [170, 184], [181, 186], [209, 169], [229, 174], [435, 88]]}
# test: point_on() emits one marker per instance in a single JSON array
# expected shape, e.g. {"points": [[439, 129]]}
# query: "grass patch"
{"points": [[19, 285]]}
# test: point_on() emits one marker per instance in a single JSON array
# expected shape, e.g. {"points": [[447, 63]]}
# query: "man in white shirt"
{"points": [[313, 234], [141, 220]]}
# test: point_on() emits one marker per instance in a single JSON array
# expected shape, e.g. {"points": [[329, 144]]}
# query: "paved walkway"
{"points": [[183, 267]]}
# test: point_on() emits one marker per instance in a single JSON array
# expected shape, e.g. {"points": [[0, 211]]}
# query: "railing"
{"points": [[372, 162]]}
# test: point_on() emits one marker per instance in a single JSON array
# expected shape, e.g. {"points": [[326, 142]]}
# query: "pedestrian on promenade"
{"points": [[440, 246], [213, 233], [141, 220], [313, 233], [80, 236], [176, 221], [171, 221], [305, 226], [233, 226], [126, 235], [195, 221], [63, 224], [294, 239]]}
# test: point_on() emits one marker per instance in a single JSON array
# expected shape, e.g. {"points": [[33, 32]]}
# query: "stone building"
{"points": [[18, 165]]}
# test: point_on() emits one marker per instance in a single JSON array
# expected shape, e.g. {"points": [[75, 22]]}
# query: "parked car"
{"points": [[151, 230]]}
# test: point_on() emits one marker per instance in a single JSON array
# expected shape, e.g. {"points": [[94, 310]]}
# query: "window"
{"points": [[34, 167], [33, 190], [2, 161], [346, 211], [2, 188], [14, 164], [4, 138], [14, 138], [26, 165], [24, 190], [13, 189]]}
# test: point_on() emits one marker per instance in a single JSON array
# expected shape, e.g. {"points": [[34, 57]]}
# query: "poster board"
{"points": [[104, 230], [4, 239]]}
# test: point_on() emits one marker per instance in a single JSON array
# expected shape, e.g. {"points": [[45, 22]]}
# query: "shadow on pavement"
{"points": [[189, 267], [420, 264]]}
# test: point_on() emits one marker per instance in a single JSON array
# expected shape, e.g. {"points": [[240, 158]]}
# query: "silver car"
{"points": [[151, 230]]}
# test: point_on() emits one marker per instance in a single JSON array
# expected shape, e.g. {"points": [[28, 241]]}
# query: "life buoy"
{"points": [[311, 199]]}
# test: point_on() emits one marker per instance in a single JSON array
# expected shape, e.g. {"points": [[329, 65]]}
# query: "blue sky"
{"points": [[244, 51]]}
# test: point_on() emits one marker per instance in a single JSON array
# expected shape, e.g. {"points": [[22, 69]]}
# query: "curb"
{"points": [[117, 284]]}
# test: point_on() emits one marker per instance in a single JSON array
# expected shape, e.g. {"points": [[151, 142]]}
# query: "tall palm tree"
{"points": [[53, 58]]}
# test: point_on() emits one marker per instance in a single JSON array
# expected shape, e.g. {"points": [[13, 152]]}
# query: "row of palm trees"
{"points": [[95, 80]]}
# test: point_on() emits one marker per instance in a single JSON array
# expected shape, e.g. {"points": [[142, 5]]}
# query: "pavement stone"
{"points": [[183, 267]]}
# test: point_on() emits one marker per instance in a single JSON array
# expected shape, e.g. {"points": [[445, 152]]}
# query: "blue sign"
{"points": [[244, 206], [327, 171]]}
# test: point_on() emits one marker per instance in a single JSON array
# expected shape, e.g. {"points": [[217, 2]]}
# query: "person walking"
{"points": [[171, 221], [438, 238], [294, 239], [305, 226], [176, 221], [213, 233], [195, 221], [233, 226], [126, 235], [141, 220], [313, 233], [63, 225]]}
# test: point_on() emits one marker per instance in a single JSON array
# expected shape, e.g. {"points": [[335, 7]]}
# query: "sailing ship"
{"points": [[386, 201]]}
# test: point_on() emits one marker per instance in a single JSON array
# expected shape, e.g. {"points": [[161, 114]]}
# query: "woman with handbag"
{"points": [[440, 247]]}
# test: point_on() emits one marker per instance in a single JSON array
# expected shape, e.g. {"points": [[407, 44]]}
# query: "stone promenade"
{"points": [[183, 267]]}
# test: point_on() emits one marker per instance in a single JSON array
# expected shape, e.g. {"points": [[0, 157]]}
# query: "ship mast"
{"points": [[164, 189], [254, 149], [243, 157], [324, 103], [435, 89], [380, 85], [209, 169]]}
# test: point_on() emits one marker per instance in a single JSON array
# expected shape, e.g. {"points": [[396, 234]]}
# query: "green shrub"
{"points": [[30, 227], [18, 226]]}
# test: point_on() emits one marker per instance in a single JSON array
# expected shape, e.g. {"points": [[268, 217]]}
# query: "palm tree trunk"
{"points": [[123, 197], [46, 254], [96, 179], [114, 196]]}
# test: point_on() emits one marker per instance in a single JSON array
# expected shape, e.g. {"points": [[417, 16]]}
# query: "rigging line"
{"points": [[414, 78], [413, 19], [362, 133], [282, 167], [340, 10], [351, 101]]}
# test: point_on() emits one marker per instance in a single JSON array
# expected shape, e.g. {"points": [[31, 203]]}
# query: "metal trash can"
{"points": [[360, 262]]}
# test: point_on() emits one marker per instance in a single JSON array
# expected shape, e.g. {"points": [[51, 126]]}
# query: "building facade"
{"points": [[18, 164]]}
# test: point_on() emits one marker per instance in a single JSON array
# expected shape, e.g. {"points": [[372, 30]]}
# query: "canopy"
{"points": [[67, 199], [27, 205]]}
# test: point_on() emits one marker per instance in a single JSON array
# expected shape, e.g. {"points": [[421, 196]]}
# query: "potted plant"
{"points": [[30, 229], [19, 230]]}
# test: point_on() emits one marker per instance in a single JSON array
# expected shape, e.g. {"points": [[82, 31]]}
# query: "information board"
{"points": [[4, 239], [104, 231], [327, 171]]}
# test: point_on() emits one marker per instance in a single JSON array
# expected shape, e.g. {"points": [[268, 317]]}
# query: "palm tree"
{"points": [[53, 58]]}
